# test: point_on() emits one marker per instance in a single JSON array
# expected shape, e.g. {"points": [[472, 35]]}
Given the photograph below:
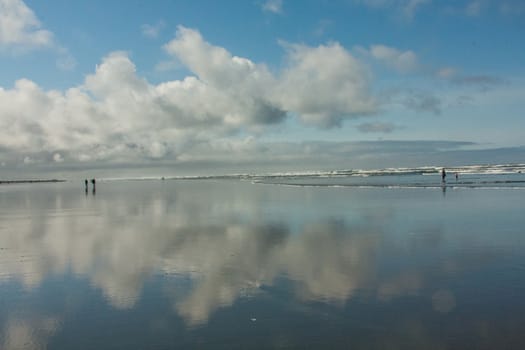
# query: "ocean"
{"points": [[384, 259]]}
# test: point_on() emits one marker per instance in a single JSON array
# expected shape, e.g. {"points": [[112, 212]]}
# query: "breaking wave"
{"points": [[469, 176]]}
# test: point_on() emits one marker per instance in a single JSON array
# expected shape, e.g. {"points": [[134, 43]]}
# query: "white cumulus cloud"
{"points": [[324, 85], [321, 85], [116, 115], [20, 28]]}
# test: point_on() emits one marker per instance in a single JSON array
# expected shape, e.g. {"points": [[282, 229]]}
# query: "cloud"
{"points": [[410, 7], [231, 88], [276, 156], [324, 85], [414, 99], [475, 7], [168, 65], [407, 9], [402, 61], [322, 27], [57, 157], [512, 7], [65, 61], [404, 8], [423, 102], [274, 6], [20, 29], [376, 127], [446, 73], [482, 81], [118, 116], [153, 30]]}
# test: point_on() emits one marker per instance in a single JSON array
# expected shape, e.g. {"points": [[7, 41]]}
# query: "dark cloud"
{"points": [[423, 102], [377, 127], [484, 82]]}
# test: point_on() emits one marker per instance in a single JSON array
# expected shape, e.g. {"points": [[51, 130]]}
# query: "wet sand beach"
{"points": [[232, 264]]}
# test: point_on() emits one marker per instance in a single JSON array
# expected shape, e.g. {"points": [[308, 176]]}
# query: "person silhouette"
{"points": [[443, 175]]}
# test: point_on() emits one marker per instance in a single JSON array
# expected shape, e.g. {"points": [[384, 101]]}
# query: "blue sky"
{"points": [[203, 86]]}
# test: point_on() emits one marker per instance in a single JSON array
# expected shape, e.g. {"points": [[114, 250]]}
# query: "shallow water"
{"points": [[235, 265], [492, 181]]}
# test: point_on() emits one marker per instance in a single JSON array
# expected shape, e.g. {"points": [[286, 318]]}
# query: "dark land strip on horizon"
{"points": [[7, 182]]}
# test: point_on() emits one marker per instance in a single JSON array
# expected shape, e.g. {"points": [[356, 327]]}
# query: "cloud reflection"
{"points": [[28, 334], [118, 244], [324, 261], [217, 240]]}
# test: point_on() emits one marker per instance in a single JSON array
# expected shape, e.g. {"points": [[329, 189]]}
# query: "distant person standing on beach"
{"points": [[443, 175], [86, 184]]}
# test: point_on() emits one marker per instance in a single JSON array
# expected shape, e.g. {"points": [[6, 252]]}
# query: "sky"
{"points": [[210, 87]]}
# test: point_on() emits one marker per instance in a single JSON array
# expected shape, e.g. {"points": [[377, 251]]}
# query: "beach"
{"points": [[267, 174], [238, 263]]}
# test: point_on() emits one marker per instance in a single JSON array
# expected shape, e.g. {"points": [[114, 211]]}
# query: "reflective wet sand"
{"points": [[231, 264]]}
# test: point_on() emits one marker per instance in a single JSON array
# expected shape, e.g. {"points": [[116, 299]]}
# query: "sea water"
{"points": [[246, 263]]}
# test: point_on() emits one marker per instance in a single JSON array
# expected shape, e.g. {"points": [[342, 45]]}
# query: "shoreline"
{"points": [[9, 182]]}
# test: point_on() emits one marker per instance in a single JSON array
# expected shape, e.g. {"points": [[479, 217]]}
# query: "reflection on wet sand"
{"points": [[325, 261], [120, 244], [227, 249], [28, 334]]}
